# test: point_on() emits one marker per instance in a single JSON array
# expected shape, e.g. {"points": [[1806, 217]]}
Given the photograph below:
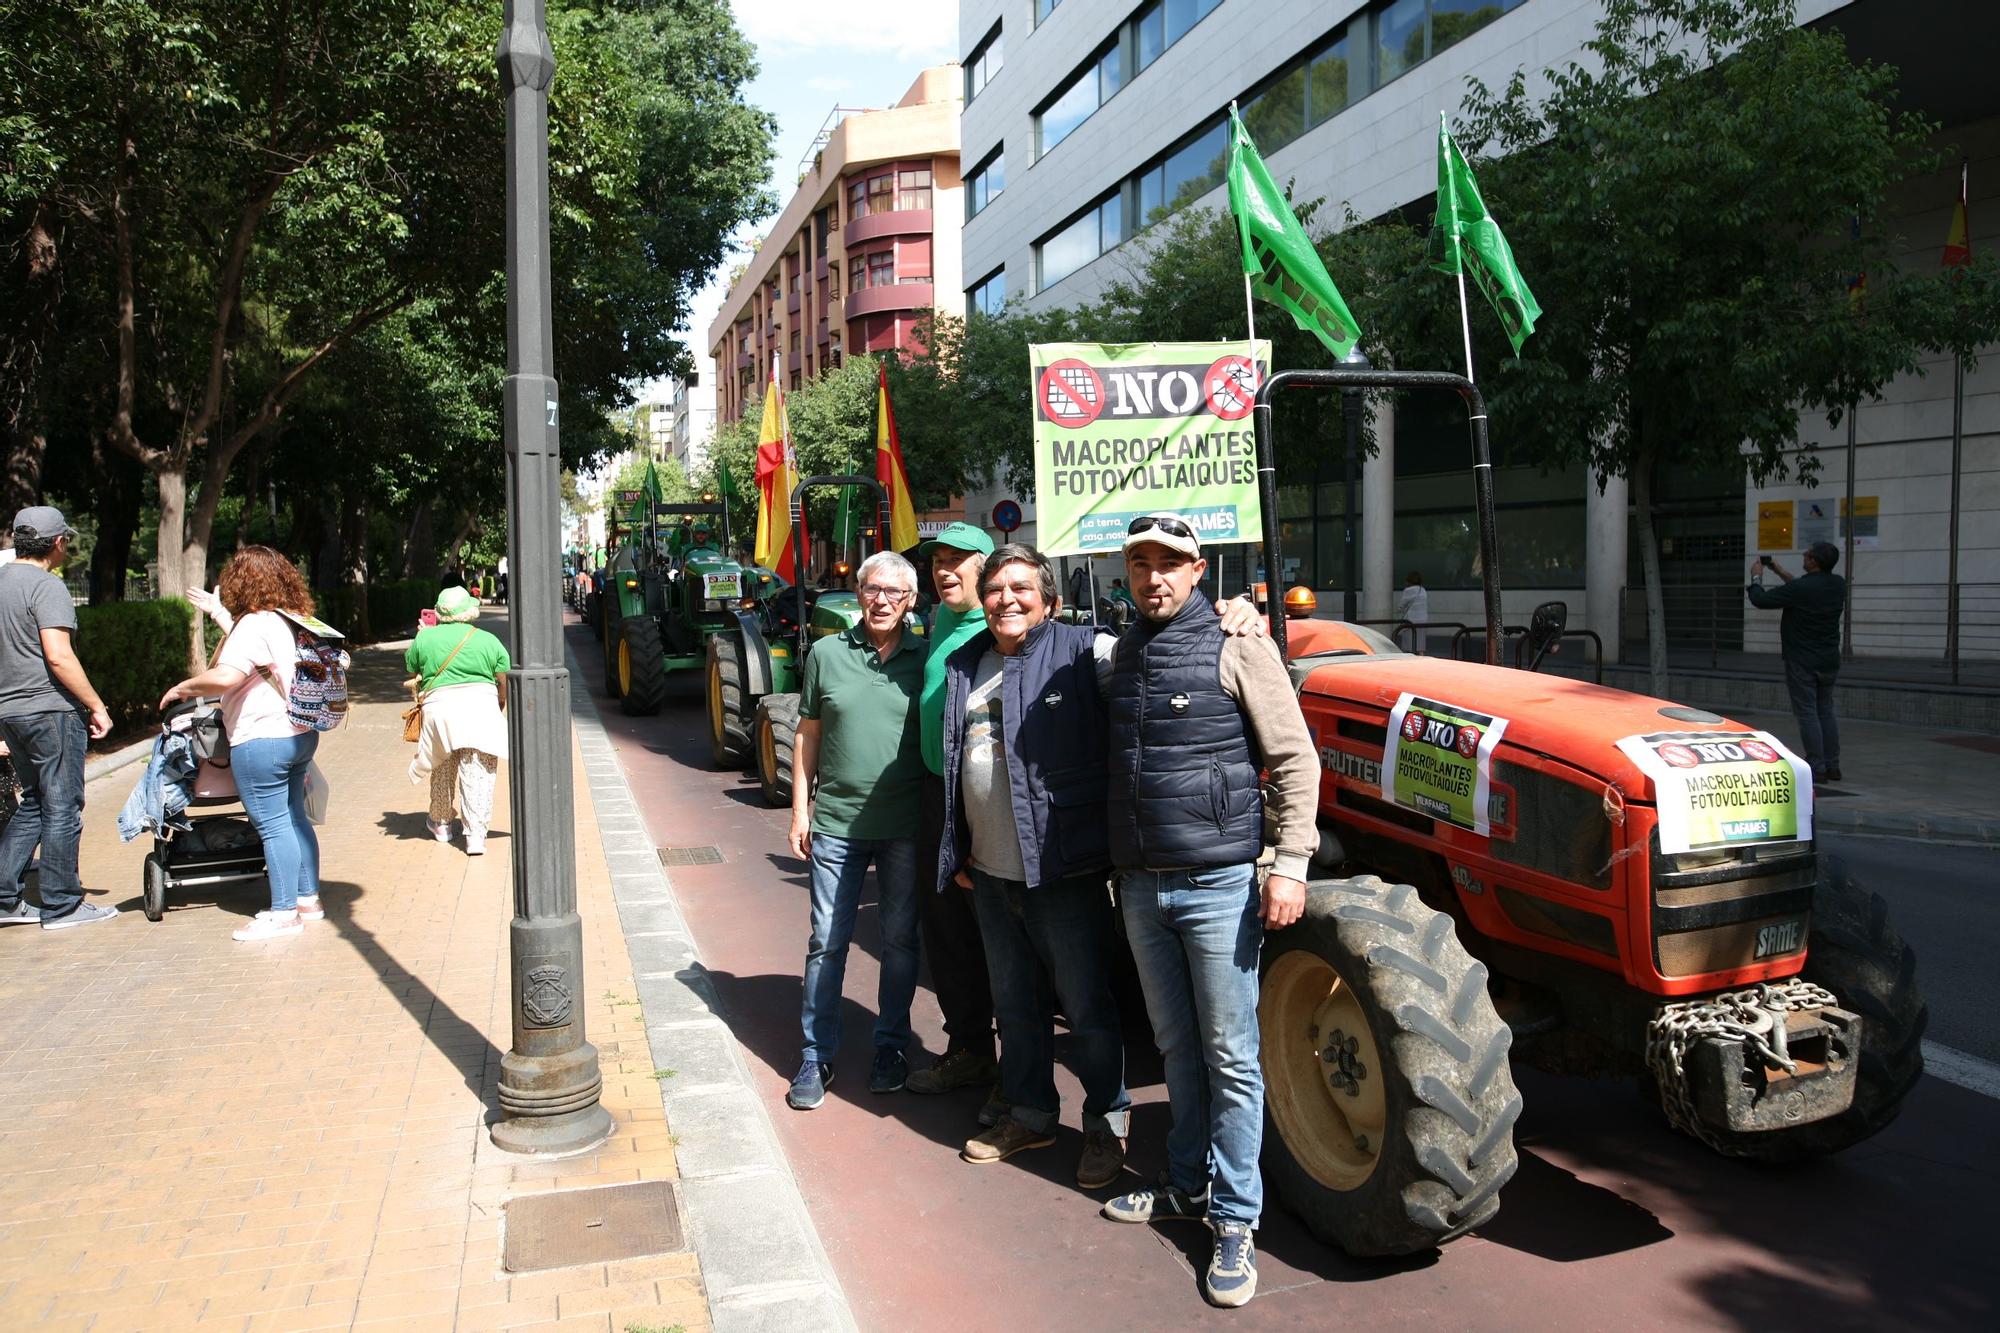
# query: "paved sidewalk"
{"points": [[291, 1135]]}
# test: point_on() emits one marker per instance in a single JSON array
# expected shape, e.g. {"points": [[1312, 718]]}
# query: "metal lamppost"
{"points": [[1351, 406], [549, 1081]]}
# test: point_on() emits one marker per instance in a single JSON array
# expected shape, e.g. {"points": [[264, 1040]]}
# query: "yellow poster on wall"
{"points": [[1867, 520], [1774, 525]]}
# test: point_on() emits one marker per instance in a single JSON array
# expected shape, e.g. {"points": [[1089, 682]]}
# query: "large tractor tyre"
{"points": [[777, 726], [732, 714], [642, 666], [1856, 953], [607, 639], [1389, 1104]]}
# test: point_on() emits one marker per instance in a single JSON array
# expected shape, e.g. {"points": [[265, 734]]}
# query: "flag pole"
{"points": [[1464, 317], [1267, 466]]}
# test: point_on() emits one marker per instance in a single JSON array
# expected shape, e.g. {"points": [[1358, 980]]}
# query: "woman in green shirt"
{"points": [[458, 670]]}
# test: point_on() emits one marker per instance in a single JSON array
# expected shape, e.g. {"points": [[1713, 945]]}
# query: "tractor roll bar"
{"points": [[798, 504], [1482, 478]]}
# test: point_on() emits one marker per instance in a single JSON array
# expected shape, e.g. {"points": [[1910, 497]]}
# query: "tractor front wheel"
{"points": [[1388, 1100], [642, 666], [777, 726], [1855, 952], [731, 716]]}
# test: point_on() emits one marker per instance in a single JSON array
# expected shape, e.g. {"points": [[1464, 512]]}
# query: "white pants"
{"points": [[474, 773]]}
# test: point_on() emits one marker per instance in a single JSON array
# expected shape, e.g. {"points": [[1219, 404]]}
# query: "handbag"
{"points": [[413, 716]]}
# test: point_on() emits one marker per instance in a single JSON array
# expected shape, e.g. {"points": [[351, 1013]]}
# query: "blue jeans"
{"points": [[1195, 936], [1040, 944], [271, 780], [838, 866], [48, 750], [1812, 709]]}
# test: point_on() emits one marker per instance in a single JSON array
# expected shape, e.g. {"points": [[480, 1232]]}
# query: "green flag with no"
{"points": [[1464, 224], [1284, 268], [725, 484]]}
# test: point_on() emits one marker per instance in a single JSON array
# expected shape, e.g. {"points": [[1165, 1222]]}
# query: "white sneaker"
{"points": [[268, 926], [310, 910], [475, 846], [442, 832]]}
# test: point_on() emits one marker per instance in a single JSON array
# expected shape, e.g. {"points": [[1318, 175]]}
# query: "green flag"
{"points": [[846, 520], [725, 484], [1284, 268], [1463, 224], [650, 488]]}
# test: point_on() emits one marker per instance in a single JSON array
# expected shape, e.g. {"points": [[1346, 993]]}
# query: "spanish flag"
{"points": [[1958, 239], [889, 470], [777, 473]]}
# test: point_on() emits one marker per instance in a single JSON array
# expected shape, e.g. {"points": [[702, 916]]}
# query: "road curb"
{"points": [[105, 765], [1952, 828], [762, 1264]]}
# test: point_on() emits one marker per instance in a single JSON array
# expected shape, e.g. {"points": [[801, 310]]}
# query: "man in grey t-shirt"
{"points": [[49, 714]]}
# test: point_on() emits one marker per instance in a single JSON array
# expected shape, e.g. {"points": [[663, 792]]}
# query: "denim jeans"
{"points": [[271, 781], [838, 867], [1812, 708], [48, 750], [1195, 935], [1043, 943]]}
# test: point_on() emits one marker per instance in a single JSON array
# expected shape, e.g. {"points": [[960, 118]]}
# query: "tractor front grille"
{"points": [[1718, 911]]}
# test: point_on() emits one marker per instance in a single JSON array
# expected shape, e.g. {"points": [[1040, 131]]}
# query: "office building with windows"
{"points": [[1087, 122], [865, 248]]}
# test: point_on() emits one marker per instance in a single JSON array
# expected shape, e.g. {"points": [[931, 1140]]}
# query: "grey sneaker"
{"points": [[23, 913], [84, 915], [1164, 1202], [1232, 1272]]}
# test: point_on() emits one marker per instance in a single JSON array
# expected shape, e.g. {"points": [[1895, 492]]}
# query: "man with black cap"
{"points": [[1195, 717], [49, 714], [950, 927]]}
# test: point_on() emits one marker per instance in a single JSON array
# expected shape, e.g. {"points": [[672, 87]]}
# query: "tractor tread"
{"points": [[1362, 912], [1390, 956], [648, 689]]}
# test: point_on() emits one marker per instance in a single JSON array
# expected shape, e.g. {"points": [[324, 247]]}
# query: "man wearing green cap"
{"points": [[950, 929]]}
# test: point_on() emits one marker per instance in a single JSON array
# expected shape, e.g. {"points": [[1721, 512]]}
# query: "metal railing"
{"points": [[1915, 633]]}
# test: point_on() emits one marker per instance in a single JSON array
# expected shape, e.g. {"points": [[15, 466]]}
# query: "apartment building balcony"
{"points": [[893, 296], [890, 222]]}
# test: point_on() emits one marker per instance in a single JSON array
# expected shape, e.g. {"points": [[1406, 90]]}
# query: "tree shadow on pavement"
{"points": [[456, 1038]]}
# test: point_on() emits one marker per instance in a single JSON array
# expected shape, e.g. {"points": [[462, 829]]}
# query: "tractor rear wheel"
{"points": [[732, 717], [1389, 1104], [607, 639], [777, 726], [1856, 953], [642, 666]]}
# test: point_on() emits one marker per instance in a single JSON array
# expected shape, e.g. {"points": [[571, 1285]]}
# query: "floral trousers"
{"points": [[473, 773]]}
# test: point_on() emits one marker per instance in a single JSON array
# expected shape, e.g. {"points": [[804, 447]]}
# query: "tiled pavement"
{"points": [[291, 1135]]}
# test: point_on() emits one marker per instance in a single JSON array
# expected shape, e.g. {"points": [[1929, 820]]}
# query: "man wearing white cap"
{"points": [[49, 714], [1195, 717]]}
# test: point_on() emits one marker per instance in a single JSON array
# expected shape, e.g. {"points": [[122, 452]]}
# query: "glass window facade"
{"points": [[1069, 109], [983, 64], [913, 188], [1134, 45], [985, 183], [989, 295]]}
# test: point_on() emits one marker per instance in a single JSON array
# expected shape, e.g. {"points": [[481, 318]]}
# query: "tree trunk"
{"points": [[120, 487], [420, 544], [354, 561], [22, 483], [1649, 561]]}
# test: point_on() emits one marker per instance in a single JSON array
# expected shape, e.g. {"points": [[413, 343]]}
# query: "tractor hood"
{"points": [[712, 564], [1570, 720]]}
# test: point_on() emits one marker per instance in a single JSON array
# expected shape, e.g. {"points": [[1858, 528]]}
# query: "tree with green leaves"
{"points": [[1691, 208]]}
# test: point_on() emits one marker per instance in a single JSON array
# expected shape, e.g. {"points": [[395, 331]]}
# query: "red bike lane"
{"points": [[1613, 1221]]}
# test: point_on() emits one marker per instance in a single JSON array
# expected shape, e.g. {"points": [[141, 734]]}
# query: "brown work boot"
{"points": [[1102, 1161], [951, 1071], [1003, 1141]]}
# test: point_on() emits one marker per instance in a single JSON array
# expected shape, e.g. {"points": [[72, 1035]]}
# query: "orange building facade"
{"points": [[866, 247]]}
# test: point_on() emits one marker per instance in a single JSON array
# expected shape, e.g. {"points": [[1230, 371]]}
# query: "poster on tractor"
{"points": [[1129, 429], [1724, 788], [1438, 761]]}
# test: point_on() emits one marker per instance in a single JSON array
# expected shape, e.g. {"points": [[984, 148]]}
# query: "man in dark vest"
{"points": [[1195, 716], [1809, 643]]}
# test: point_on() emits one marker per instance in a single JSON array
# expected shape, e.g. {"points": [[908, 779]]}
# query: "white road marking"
{"points": [[1967, 1071]]}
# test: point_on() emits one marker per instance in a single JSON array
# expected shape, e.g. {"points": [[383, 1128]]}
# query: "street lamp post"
{"points": [[549, 1081], [1351, 406]]}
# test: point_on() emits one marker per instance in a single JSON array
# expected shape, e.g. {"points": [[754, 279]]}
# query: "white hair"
{"points": [[887, 560]]}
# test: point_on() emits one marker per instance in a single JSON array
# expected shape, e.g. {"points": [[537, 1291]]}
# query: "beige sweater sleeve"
{"points": [[1254, 676]]}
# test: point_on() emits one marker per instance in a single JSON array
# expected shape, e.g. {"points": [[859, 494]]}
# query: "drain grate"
{"points": [[690, 856], [592, 1226]]}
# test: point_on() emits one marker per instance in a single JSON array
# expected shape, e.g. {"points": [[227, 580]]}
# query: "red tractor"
{"points": [[1542, 869]]}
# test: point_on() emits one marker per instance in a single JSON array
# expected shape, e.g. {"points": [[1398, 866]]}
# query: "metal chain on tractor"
{"points": [[1756, 1017]]}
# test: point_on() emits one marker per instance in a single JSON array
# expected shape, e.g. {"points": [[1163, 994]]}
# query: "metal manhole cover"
{"points": [[592, 1226], [690, 856]]}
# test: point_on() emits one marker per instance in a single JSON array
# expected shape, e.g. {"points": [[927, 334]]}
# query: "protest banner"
{"points": [[1724, 788], [1438, 761], [1124, 430]]}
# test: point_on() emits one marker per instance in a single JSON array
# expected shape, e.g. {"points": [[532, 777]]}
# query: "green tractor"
{"points": [[755, 668], [668, 588]]}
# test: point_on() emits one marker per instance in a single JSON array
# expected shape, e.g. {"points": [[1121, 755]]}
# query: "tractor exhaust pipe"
{"points": [[1482, 479]]}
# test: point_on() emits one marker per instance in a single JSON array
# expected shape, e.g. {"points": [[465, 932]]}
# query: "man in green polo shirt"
{"points": [[857, 789], [951, 930]]}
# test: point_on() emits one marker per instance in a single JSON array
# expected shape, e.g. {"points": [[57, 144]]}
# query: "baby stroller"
{"points": [[215, 848]]}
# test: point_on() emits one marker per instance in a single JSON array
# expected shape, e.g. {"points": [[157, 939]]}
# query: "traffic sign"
{"points": [[1007, 515]]}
